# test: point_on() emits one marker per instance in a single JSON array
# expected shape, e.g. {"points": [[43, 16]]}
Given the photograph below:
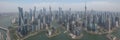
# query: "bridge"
{"points": [[7, 33]]}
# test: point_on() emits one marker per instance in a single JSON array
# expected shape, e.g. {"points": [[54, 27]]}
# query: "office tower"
{"points": [[69, 14], [39, 24], [34, 11], [113, 21], [25, 29], [44, 20], [50, 10], [40, 11], [60, 11], [34, 22], [44, 17], [44, 11], [78, 32], [94, 23], [30, 14], [91, 23], [109, 23], [117, 21], [26, 18], [69, 11], [67, 26], [39, 21], [85, 17], [20, 23], [85, 8], [33, 15], [87, 22], [74, 29], [96, 19], [20, 16], [100, 20]]}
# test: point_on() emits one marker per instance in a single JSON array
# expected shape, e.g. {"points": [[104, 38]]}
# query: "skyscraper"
{"points": [[30, 12], [50, 10], [34, 11], [85, 17], [20, 16]]}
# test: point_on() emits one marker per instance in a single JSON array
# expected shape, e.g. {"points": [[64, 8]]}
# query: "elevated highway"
{"points": [[7, 32]]}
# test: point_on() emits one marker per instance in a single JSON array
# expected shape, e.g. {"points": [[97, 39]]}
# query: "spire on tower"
{"points": [[85, 7]]}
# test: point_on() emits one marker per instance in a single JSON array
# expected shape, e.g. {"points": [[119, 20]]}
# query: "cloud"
{"points": [[7, 7], [95, 5], [104, 6]]}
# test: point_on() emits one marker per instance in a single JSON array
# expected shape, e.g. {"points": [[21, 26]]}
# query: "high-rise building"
{"points": [[30, 12], [68, 26], [85, 8], [34, 11], [85, 17], [44, 11], [33, 15], [50, 10], [20, 16]]}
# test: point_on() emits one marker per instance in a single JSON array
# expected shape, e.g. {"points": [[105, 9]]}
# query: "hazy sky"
{"points": [[99, 5]]}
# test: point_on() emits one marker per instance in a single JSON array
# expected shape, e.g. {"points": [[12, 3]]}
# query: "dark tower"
{"points": [[50, 10], [20, 16], [34, 11], [85, 8]]}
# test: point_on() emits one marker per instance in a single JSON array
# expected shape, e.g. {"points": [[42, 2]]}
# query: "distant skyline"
{"points": [[99, 5]]}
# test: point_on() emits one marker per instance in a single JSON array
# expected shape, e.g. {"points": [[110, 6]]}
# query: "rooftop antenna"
{"points": [[85, 7], [50, 10], [85, 16]]}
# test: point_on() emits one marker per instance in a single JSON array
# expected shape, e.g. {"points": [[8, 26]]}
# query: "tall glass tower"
{"points": [[20, 16]]}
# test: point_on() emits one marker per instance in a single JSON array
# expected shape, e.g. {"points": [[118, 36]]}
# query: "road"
{"points": [[8, 33]]}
